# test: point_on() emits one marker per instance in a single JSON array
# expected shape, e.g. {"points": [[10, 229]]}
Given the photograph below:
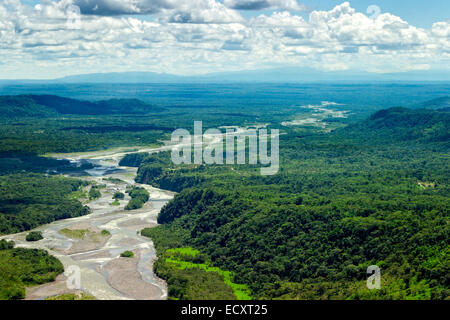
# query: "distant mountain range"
{"points": [[267, 75]]}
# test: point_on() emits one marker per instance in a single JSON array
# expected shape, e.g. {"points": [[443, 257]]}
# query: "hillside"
{"points": [[340, 203], [50, 106], [30, 200], [23, 106], [438, 103], [398, 123]]}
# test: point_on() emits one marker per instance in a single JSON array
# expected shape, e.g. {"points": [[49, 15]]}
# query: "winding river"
{"points": [[95, 260], [101, 271]]}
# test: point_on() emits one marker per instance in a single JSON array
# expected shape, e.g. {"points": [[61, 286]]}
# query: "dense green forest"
{"points": [[349, 194], [19, 162], [48, 124], [49, 106], [24, 267], [28, 200], [40, 124], [374, 193]]}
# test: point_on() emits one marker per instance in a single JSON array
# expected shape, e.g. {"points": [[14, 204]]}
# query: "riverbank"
{"points": [[103, 273]]}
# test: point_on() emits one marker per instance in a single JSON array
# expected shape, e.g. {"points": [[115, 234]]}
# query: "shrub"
{"points": [[118, 196], [34, 236], [94, 193], [134, 204], [6, 245], [127, 254]]}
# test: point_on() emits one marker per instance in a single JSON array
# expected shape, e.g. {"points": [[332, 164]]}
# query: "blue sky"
{"points": [[421, 13], [47, 39]]}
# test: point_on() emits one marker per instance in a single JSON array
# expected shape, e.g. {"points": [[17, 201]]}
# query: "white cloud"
{"points": [[202, 11], [119, 7], [264, 5], [202, 36]]}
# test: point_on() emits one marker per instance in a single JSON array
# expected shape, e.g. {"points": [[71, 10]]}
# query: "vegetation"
{"points": [[133, 159], [30, 200], [94, 193], [24, 267], [72, 296], [134, 204], [50, 105], [188, 265], [85, 234], [341, 202], [114, 180], [74, 233], [127, 254], [118, 195], [188, 274], [34, 236], [139, 196], [13, 162], [368, 192]]}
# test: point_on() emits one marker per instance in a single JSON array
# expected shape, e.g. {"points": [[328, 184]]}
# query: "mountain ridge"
{"points": [[13, 106], [402, 124], [284, 74]]}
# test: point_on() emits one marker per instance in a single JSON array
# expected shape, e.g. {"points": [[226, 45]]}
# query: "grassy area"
{"points": [[114, 180], [176, 257], [189, 281], [80, 194], [74, 234], [85, 234], [187, 251], [72, 296]]}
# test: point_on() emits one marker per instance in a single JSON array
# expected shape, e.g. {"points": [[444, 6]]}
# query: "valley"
{"points": [[355, 188], [100, 265]]}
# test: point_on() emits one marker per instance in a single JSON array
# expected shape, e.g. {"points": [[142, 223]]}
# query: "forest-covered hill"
{"points": [[50, 106], [396, 124], [373, 194]]}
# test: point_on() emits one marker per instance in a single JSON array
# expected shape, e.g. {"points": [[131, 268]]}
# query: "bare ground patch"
{"points": [[124, 277]]}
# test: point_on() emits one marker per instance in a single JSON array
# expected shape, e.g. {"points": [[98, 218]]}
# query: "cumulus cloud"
{"points": [[202, 11], [265, 4], [200, 36], [173, 11], [120, 7]]}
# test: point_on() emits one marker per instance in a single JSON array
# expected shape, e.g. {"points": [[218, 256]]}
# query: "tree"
{"points": [[34, 236]]}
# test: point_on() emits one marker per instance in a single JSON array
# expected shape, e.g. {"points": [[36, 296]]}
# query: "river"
{"points": [[102, 272], [96, 262]]}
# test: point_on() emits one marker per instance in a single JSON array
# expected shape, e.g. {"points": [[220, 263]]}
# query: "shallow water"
{"points": [[124, 227]]}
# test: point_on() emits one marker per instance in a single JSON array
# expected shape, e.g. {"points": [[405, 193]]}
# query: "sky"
{"points": [[54, 38]]}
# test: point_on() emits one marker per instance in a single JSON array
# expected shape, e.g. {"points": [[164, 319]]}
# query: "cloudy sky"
{"points": [[53, 38]]}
